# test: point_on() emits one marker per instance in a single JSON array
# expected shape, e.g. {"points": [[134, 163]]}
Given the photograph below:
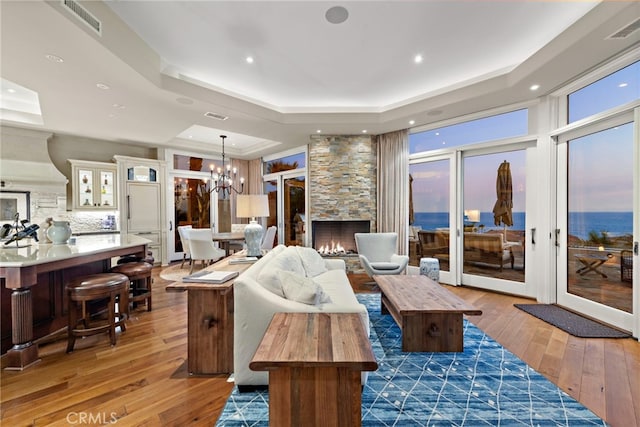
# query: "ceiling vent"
{"points": [[216, 116], [84, 15], [626, 31]]}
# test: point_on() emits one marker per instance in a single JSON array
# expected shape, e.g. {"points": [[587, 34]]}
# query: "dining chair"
{"points": [[202, 248], [184, 239], [237, 245], [269, 238]]}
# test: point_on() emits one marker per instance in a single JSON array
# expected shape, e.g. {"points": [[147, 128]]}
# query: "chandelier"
{"points": [[222, 182]]}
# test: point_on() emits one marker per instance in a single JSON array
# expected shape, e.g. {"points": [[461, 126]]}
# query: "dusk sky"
{"points": [[600, 165]]}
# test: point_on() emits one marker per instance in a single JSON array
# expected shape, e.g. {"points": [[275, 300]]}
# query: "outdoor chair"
{"points": [[626, 266], [378, 253]]}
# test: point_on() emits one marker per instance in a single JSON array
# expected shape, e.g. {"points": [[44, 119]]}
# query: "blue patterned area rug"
{"points": [[485, 385]]}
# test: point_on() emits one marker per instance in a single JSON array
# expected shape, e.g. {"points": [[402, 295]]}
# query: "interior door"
{"points": [[189, 204], [595, 221]]}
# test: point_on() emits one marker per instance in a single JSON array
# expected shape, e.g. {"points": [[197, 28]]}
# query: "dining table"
{"points": [[225, 238]]}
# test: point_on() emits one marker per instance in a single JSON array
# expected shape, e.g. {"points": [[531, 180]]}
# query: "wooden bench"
{"points": [[429, 315]]}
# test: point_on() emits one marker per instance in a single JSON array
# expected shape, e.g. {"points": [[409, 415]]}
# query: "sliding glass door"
{"points": [[433, 204], [595, 221]]}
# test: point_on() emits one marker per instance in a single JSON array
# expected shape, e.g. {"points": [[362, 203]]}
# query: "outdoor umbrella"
{"points": [[502, 209]]}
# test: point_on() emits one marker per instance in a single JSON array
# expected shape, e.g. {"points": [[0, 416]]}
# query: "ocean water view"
{"points": [[580, 223]]}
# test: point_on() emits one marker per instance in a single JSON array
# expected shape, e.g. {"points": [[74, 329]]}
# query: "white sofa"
{"points": [[274, 284]]}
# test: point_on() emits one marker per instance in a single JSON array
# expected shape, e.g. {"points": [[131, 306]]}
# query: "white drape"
{"points": [[393, 186]]}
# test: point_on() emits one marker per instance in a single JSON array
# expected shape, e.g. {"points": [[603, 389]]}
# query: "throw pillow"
{"points": [[287, 260], [302, 289], [312, 261]]}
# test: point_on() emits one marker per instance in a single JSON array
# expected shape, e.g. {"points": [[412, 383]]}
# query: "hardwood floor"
{"points": [[143, 379]]}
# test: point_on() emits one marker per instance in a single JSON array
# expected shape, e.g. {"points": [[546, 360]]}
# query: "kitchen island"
{"points": [[32, 279]]}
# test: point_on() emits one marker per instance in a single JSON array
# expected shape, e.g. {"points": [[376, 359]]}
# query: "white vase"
{"points": [[59, 232]]}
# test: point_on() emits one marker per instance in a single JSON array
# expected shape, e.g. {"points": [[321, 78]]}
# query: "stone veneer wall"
{"points": [[343, 181]]}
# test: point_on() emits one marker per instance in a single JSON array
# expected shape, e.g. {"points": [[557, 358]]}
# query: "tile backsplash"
{"points": [[45, 205]]}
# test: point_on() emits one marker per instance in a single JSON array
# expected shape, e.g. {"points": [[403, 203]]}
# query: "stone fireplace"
{"points": [[343, 186], [337, 237]]}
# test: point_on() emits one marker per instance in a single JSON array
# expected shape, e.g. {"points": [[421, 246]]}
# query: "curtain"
{"points": [[247, 170], [393, 186], [255, 184]]}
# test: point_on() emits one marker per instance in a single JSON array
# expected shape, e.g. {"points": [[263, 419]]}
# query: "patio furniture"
{"points": [[592, 262], [626, 266]]}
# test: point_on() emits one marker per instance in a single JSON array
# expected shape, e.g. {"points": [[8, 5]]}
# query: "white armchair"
{"points": [[377, 252], [202, 247], [184, 239], [269, 237]]}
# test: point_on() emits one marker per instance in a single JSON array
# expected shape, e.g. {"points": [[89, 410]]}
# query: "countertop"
{"points": [[40, 253]]}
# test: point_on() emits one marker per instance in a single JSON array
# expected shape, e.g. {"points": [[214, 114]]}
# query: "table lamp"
{"points": [[252, 206]]}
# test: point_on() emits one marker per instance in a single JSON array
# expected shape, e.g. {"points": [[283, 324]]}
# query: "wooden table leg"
{"points": [[210, 331], [317, 396], [24, 352]]}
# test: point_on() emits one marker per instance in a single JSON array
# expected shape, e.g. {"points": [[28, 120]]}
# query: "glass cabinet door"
{"points": [[84, 191], [107, 188], [94, 187]]}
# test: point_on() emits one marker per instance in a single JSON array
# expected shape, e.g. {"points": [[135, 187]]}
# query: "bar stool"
{"points": [[105, 286], [139, 274], [134, 258]]}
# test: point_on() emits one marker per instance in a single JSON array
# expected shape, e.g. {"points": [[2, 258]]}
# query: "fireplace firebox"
{"points": [[335, 237]]}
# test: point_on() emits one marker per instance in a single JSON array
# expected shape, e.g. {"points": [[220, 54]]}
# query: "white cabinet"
{"points": [[142, 206], [93, 185]]}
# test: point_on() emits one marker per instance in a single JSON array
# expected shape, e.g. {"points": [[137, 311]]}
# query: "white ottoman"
{"points": [[430, 267]]}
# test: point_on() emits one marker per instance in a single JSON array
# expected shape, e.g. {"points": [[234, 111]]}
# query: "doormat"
{"points": [[571, 323]]}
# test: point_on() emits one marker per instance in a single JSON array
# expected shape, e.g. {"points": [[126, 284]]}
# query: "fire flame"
{"points": [[334, 249]]}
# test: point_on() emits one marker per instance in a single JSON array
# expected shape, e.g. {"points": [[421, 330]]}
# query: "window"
{"points": [[294, 161], [514, 123], [190, 163], [614, 90]]}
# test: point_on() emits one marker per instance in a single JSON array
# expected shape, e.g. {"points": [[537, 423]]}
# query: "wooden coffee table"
{"points": [[315, 362], [429, 315]]}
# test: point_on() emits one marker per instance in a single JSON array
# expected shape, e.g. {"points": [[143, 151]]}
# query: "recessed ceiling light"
{"points": [[623, 85], [364, 131], [336, 14], [102, 86], [418, 59], [119, 106], [54, 58], [319, 131], [412, 122], [249, 59], [534, 87], [11, 90]]}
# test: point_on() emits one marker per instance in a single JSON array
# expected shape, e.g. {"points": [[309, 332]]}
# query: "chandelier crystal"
{"points": [[222, 181]]}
